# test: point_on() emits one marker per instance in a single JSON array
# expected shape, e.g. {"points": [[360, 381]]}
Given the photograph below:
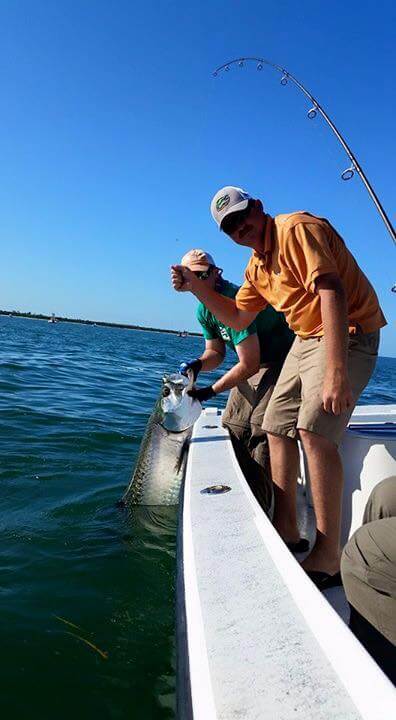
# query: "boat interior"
{"points": [[256, 638]]}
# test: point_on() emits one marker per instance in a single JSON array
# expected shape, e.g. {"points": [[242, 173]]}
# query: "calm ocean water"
{"points": [[86, 594]]}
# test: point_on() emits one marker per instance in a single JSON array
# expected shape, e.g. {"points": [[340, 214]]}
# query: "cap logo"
{"points": [[222, 202]]}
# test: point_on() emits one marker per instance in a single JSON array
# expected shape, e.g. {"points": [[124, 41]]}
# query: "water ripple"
{"points": [[74, 403]]}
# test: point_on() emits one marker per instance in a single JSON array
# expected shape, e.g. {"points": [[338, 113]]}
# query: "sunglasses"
{"points": [[233, 221], [202, 274]]}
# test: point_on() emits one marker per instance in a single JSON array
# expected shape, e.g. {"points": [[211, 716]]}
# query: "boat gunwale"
{"points": [[355, 669]]}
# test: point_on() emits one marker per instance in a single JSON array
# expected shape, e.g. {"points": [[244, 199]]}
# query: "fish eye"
{"points": [[166, 391]]}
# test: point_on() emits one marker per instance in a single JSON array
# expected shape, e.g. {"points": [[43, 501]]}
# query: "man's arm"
{"points": [[249, 363], [213, 355], [224, 308], [337, 394]]}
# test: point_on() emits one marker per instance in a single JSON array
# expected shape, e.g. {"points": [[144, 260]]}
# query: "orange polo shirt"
{"points": [[297, 249]]}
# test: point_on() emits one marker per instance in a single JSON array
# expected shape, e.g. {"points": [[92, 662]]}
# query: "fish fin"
{"points": [[182, 456]]}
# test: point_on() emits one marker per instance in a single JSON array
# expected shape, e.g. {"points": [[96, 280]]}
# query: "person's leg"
{"points": [[256, 473], [376, 644], [326, 480], [257, 444], [320, 433], [243, 416], [279, 422], [285, 463], [368, 568], [382, 501]]}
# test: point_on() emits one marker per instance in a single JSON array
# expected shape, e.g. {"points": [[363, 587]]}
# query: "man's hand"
{"points": [[202, 394], [194, 365], [182, 278], [337, 393]]}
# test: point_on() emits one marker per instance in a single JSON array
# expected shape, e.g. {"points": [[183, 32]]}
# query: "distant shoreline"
{"points": [[101, 323]]}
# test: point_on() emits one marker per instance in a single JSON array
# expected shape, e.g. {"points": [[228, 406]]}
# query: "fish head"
{"points": [[179, 410]]}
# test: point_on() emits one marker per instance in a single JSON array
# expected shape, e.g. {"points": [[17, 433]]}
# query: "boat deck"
{"points": [[306, 523], [258, 639]]}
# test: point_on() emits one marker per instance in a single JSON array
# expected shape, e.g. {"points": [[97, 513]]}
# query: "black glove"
{"points": [[202, 394], [194, 365]]}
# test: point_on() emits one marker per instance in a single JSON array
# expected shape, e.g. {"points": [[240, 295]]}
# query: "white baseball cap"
{"points": [[228, 200], [197, 259]]}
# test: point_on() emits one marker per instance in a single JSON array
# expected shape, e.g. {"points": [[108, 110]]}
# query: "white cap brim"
{"points": [[235, 208]]}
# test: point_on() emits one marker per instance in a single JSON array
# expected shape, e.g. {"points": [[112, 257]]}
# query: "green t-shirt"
{"points": [[275, 337]]}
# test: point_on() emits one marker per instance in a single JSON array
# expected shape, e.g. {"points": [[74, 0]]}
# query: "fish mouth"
{"points": [[175, 382], [169, 406], [179, 411], [172, 423], [175, 379]]}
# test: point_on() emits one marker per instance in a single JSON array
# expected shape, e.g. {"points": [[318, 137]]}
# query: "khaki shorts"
{"points": [[296, 402], [243, 416]]}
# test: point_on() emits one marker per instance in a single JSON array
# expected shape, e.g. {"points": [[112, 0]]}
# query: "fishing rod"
{"points": [[316, 108]]}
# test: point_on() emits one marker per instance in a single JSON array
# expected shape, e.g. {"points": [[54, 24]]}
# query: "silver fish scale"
{"points": [[160, 465]]}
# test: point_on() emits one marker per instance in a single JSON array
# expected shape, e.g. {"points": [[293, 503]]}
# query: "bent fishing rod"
{"points": [[316, 108]]}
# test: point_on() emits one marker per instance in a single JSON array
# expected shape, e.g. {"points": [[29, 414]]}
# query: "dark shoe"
{"points": [[323, 580], [298, 547]]}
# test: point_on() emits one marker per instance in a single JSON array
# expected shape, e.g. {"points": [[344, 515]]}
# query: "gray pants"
{"points": [[243, 417], [368, 568]]}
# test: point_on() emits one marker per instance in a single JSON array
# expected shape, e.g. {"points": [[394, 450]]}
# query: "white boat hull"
{"points": [[256, 639]]}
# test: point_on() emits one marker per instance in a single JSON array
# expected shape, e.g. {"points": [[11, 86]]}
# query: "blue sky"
{"points": [[115, 136]]}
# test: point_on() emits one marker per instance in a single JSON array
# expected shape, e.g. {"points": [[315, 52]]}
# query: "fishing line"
{"points": [[353, 167]]}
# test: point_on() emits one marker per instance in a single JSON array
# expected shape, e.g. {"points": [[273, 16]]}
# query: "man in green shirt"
{"points": [[261, 349]]}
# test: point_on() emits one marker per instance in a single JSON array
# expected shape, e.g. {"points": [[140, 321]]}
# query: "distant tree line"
{"points": [[40, 316]]}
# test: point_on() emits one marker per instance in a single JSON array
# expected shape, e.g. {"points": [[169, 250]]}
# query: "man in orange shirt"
{"points": [[301, 266]]}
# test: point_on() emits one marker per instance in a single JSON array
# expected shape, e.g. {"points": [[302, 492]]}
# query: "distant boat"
{"points": [[53, 319], [182, 334]]}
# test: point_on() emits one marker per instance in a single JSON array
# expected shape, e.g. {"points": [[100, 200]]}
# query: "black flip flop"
{"points": [[298, 547], [323, 580]]}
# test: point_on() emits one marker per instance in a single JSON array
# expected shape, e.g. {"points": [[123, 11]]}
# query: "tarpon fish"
{"points": [[161, 462]]}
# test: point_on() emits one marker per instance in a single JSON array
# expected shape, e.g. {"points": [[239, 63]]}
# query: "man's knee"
{"points": [[314, 440], [353, 566], [368, 569], [279, 440], [382, 501]]}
